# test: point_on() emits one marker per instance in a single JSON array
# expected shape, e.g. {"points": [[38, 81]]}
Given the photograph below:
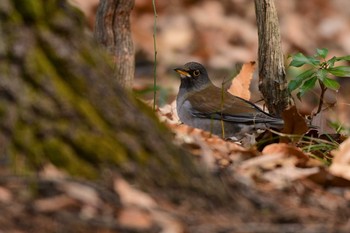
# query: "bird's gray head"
{"points": [[193, 75]]}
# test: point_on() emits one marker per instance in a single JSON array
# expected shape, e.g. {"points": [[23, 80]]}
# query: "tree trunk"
{"points": [[272, 76], [112, 30], [59, 104]]}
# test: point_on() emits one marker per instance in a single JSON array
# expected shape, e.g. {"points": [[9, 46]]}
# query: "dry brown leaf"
{"points": [[168, 222], [168, 113], [135, 218], [321, 121], [240, 84], [5, 195], [294, 123], [53, 204], [277, 165], [267, 162], [252, 170], [325, 178], [130, 196], [82, 193], [283, 176], [341, 161], [50, 172], [138, 204], [286, 150], [212, 150]]}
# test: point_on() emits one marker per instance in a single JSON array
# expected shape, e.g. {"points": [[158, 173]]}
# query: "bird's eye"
{"points": [[196, 73]]}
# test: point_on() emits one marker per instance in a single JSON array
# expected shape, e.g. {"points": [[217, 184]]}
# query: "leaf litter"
{"points": [[285, 166]]}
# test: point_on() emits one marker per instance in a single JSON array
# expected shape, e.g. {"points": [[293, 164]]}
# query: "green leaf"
{"points": [[322, 53], [295, 83], [340, 71], [344, 58], [331, 83], [321, 74], [331, 61], [300, 59], [306, 74], [308, 85]]}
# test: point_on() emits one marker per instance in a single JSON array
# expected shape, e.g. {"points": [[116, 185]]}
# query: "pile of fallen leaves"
{"points": [[278, 163]]}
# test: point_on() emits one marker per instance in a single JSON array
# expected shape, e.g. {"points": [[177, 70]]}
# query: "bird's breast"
{"points": [[184, 111]]}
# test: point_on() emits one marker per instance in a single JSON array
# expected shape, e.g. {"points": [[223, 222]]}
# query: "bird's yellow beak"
{"points": [[183, 73]]}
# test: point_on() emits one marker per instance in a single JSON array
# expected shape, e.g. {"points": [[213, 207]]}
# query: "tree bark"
{"points": [[272, 76], [112, 30], [60, 104]]}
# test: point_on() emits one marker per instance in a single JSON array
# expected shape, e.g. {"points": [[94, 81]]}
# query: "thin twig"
{"points": [[320, 103], [221, 110], [155, 55]]}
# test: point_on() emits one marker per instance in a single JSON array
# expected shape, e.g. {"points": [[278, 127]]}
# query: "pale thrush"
{"points": [[202, 105]]}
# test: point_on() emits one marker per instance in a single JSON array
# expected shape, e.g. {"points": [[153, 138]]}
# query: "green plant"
{"points": [[320, 71], [340, 128], [319, 148]]}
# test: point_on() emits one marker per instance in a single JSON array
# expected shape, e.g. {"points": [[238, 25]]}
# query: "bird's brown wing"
{"points": [[212, 99], [224, 106]]}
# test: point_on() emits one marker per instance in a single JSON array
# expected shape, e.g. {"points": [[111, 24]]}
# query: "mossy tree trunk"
{"points": [[272, 75], [59, 103]]}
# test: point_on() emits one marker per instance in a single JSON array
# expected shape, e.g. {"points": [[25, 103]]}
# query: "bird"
{"points": [[201, 104]]}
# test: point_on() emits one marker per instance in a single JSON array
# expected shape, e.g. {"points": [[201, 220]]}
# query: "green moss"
{"points": [[25, 140], [30, 10], [50, 8], [35, 66], [38, 63], [7, 10], [90, 113], [99, 147], [63, 156], [43, 149]]}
